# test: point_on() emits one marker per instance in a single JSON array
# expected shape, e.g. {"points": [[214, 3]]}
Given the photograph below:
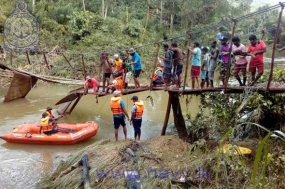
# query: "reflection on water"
{"points": [[21, 166]]}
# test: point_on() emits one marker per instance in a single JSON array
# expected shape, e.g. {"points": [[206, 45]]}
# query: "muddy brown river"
{"points": [[22, 166]]}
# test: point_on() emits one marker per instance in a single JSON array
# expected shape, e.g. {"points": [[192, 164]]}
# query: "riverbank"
{"points": [[168, 162]]}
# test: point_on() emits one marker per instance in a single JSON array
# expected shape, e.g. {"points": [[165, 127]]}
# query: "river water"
{"points": [[22, 166]]}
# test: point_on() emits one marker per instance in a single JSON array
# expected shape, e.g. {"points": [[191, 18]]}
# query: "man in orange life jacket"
{"points": [[118, 109], [158, 76], [117, 84], [137, 113]]}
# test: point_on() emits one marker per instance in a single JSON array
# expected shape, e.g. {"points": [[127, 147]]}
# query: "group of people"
{"points": [[205, 60], [120, 63], [170, 71], [120, 113]]}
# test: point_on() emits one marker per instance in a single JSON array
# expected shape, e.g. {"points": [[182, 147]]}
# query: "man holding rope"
{"points": [[178, 55]]}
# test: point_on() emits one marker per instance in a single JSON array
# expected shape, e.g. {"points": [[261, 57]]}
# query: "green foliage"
{"points": [[134, 29]]}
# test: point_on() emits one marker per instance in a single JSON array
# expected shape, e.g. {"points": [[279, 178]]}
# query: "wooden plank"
{"points": [[166, 119]]}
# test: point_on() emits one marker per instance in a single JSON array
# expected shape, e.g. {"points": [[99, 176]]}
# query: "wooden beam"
{"points": [[27, 54], [83, 65], [274, 46], [167, 114], [66, 59], [230, 54], [187, 59], [45, 59]]}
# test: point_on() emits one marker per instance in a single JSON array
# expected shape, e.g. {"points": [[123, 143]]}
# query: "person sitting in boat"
{"points": [[117, 84], [158, 76], [48, 126], [90, 82]]}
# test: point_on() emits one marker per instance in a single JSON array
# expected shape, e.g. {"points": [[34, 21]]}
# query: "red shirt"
{"points": [[93, 83], [260, 45]]}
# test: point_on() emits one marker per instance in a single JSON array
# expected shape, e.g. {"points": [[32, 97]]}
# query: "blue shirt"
{"points": [[220, 36], [196, 58], [136, 58], [123, 106], [159, 73]]}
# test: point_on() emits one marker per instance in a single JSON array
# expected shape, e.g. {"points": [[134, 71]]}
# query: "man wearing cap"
{"points": [[256, 50], [118, 109], [196, 64], [136, 119], [49, 112], [137, 66], [118, 63], [90, 82]]}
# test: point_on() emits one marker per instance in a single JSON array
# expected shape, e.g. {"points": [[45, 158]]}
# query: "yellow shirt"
{"points": [[118, 64]]}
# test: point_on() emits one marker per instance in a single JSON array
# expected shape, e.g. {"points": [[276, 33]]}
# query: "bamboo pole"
{"points": [[45, 59], [167, 114], [66, 59], [187, 59], [154, 65], [83, 65], [274, 46], [230, 52], [11, 57], [27, 54]]}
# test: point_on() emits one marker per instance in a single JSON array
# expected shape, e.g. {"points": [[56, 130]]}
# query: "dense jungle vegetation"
{"points": [[112, 24]]}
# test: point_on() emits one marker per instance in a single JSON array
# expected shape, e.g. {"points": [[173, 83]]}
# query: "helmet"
{"points": [[116, 56]]}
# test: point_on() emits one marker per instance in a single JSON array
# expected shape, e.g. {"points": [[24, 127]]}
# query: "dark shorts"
{"points": [[157, 82], [178, 70], [137, 123], [54, 130], [137, 73], [118, 121], [166, 73], [107, 75]]}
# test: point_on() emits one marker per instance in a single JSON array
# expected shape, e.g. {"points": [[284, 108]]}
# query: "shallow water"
{"points": [[22, 166]]}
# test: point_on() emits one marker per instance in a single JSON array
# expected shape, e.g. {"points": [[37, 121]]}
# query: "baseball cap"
{"points": [[135, 98]]}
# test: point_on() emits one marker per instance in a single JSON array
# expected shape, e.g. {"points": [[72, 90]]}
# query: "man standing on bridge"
{"points": [[137, 66], [256, 50]]}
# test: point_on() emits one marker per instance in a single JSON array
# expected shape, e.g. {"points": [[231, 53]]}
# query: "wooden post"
{"points": [[67, 60], [167, 114], [187, 60], [83, 65], [45, 59], [230, 52], [274, 46], [11, 57], [154, 65], [27, 54]]}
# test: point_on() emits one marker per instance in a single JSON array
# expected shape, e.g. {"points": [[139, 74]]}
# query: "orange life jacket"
{"points": [[156, 77], [119, 65], [45, 126], [116, 106], [139, 110], [120, 84]]}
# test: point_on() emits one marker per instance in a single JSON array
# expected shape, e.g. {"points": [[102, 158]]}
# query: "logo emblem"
{"points": [[21, 29]]}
